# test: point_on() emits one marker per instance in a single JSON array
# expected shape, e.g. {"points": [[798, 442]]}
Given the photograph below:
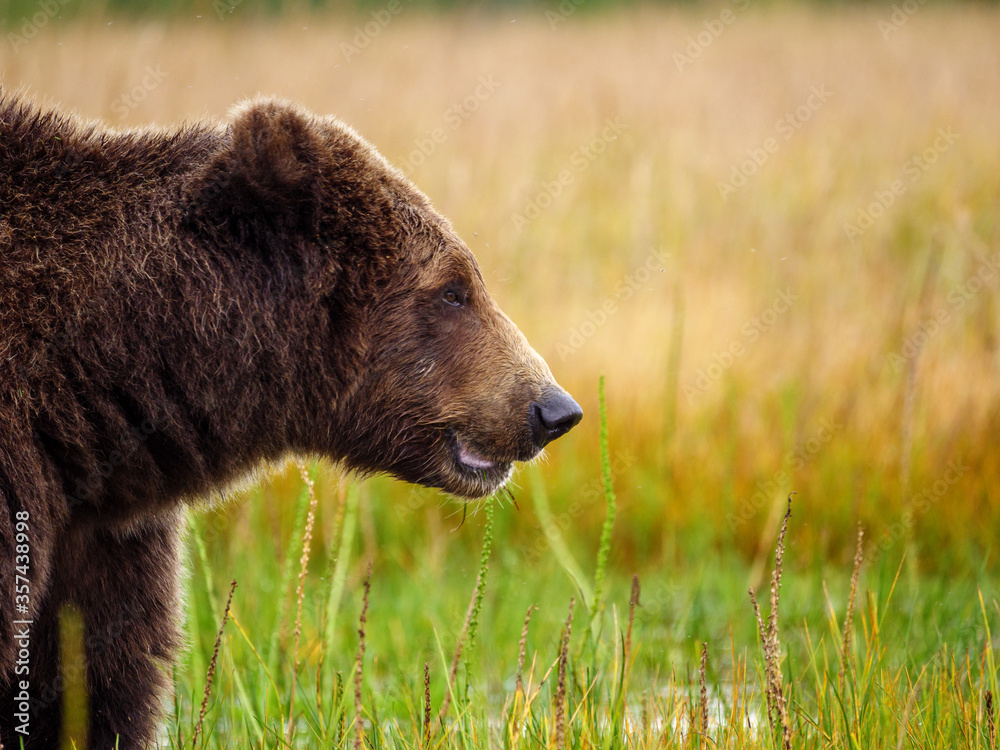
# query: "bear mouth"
{"points": [[480, 475]]}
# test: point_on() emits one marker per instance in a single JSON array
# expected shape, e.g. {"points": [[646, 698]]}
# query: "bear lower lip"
{"points": [[473, 460]]}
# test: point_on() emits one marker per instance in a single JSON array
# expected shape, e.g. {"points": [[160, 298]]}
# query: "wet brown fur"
{"points": [[179, 307]]}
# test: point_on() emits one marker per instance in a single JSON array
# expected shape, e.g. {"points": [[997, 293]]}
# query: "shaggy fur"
{"points": [[177, 308]]}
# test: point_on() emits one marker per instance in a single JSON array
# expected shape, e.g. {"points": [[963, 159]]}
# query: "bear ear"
{"points": [[264, 178]]}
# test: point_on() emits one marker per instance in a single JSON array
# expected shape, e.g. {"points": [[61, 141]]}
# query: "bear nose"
{"points": [[555, 414]]}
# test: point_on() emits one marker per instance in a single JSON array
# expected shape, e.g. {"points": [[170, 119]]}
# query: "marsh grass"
{"points": [[572, 689], [209, 678], [895, 652]]}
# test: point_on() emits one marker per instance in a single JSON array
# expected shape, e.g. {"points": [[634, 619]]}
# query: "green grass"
{"points": [[816, 404], [919, 665], [17, 14], [14, 14]]}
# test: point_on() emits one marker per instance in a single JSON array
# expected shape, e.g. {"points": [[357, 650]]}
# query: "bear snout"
{"points": [[552, 416]]}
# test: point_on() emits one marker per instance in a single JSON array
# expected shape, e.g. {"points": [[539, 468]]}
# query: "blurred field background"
{"points": [[774, 228]]}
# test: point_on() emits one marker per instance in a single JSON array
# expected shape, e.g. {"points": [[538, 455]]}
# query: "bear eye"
{"points": [[451, 297]]}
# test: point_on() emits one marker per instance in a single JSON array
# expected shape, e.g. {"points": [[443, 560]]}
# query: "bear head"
{"points": [[430, 380]]}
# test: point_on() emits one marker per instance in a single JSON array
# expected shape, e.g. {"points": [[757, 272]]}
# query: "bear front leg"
{"points": [[128, 596], [29, 618], [38, 687]]}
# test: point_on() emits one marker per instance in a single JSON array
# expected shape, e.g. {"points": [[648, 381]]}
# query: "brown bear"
{"points": [[179, 307]]}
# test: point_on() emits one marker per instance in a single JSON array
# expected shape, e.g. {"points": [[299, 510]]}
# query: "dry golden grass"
{"points": [[724, 262]]}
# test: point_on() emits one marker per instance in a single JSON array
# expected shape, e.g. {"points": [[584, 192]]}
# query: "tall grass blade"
{"points": [[340, 565], [241, 690], [287, 577], [609, 521], [555, 538]]}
